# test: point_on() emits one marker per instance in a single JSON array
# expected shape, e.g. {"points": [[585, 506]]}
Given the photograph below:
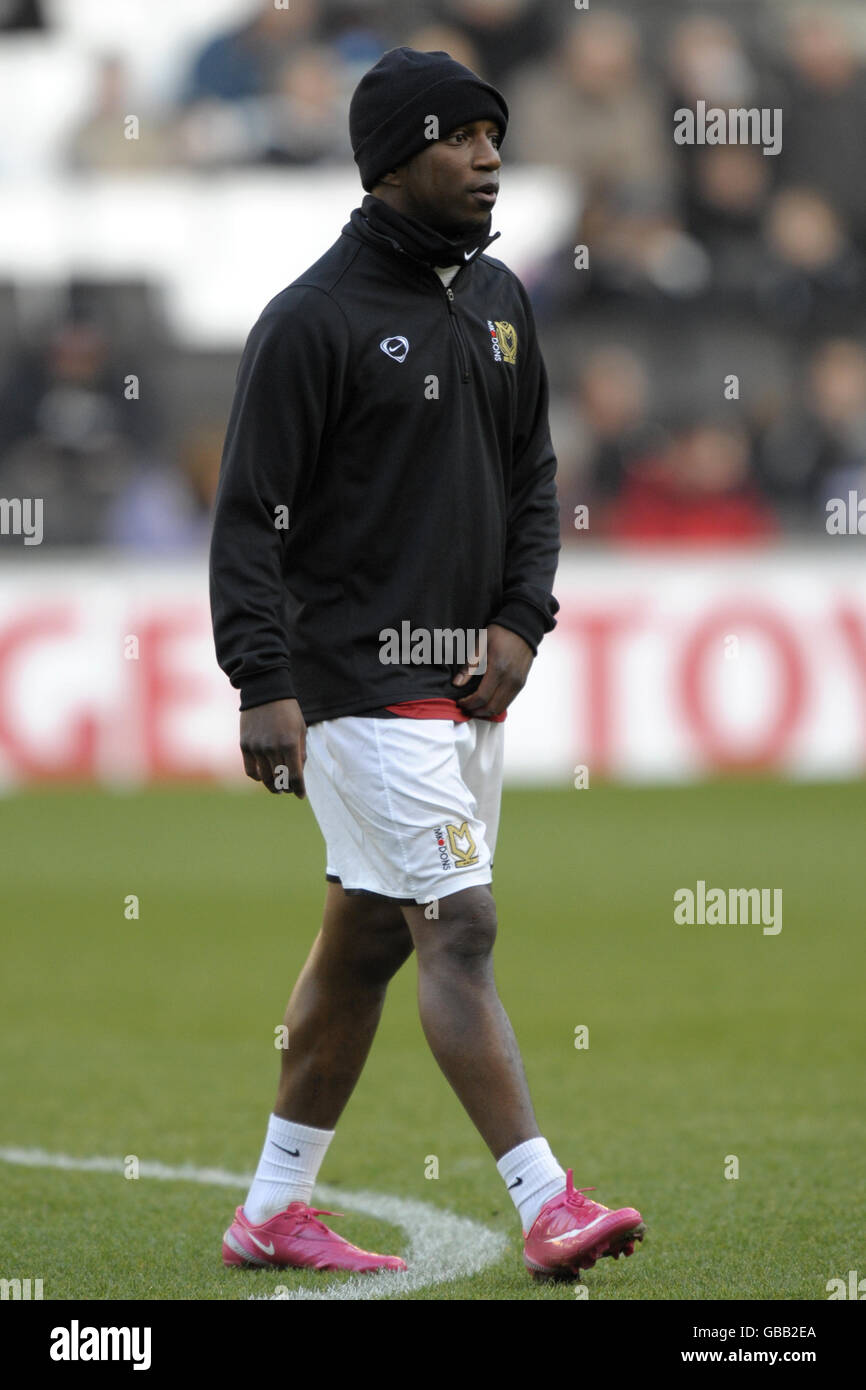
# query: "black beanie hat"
{"points": [[388, 115]]}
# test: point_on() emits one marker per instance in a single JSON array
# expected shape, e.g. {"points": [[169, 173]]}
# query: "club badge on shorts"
{"points": [[464, 850]]}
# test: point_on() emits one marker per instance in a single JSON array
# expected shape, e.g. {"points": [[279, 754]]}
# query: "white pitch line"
{"points": [[442, 1246]]}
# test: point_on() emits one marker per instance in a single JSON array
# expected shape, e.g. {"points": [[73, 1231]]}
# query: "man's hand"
{"points": [[274, 745], [509, 658]]}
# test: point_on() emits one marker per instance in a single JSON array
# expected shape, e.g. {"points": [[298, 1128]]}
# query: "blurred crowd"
{"points": [[707, 354]]}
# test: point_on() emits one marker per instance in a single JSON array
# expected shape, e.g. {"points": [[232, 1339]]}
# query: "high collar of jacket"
{"points": [[379, 225]]}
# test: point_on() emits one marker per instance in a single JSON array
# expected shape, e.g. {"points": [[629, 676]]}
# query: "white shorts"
{"points": [[409, 808]]}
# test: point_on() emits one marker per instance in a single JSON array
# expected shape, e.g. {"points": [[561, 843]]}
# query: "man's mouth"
{"points": [[486, 193]]}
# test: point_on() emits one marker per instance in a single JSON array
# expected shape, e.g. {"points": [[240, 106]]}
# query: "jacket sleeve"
{"points": [[532, 542], [287, 390]]}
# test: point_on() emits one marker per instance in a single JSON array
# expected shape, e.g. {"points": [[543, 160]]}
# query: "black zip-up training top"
{"points": [[404, 427]]}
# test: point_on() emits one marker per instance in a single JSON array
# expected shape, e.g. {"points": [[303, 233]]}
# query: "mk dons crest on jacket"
{"points": [[503, 340]]}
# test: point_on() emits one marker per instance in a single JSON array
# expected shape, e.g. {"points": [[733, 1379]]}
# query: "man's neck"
{"points": [[454, 232], [422, 241]]}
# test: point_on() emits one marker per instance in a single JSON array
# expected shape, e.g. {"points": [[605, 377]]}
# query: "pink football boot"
{"points": [[570, 1233], [295, 1238]]}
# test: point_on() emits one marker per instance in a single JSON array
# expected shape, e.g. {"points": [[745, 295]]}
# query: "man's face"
{"points": [[452, 184]]}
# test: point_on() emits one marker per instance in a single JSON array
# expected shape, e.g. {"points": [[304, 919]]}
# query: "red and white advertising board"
{"points": [[663, 667]]}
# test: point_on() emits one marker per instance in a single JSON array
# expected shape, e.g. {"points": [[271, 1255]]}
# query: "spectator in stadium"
{"points": [[812, 279], [696, 488], [245, 61], [18, 15], [706, 60], [68, 392], [724, 205], [168, 510], [100, 144], [637, 252], [605, 429], [723, 188], [444, 38], [69, 436], [592, 112], [299, 117], [304, 122], [358, 30], [505, 33], [825, 114], [817, 449]]}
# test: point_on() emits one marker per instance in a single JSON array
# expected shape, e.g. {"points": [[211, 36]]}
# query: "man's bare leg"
{"points": [[336, 1005], [331, 1020], [463, 1019]]}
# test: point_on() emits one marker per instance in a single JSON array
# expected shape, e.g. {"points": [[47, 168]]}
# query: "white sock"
{"points": [[288, 1168], [532, 1176]]}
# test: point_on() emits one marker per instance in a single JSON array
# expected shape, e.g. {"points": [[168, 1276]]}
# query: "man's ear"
{"points": [[392, 178]]}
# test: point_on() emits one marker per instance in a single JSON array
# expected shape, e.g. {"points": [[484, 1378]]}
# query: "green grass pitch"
{"points": [[155, 1036]]}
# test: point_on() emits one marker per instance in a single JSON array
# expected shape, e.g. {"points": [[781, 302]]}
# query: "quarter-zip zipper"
{"points": [[458, 332]]}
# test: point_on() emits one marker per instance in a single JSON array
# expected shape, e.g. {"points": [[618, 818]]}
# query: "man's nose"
{"points": [[488, 154]]}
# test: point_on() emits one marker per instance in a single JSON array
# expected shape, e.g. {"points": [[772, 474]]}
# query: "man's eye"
{"points": [[495, 139]]}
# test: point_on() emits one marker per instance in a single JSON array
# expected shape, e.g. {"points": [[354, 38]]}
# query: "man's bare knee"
{"points": [[464, 932]]}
